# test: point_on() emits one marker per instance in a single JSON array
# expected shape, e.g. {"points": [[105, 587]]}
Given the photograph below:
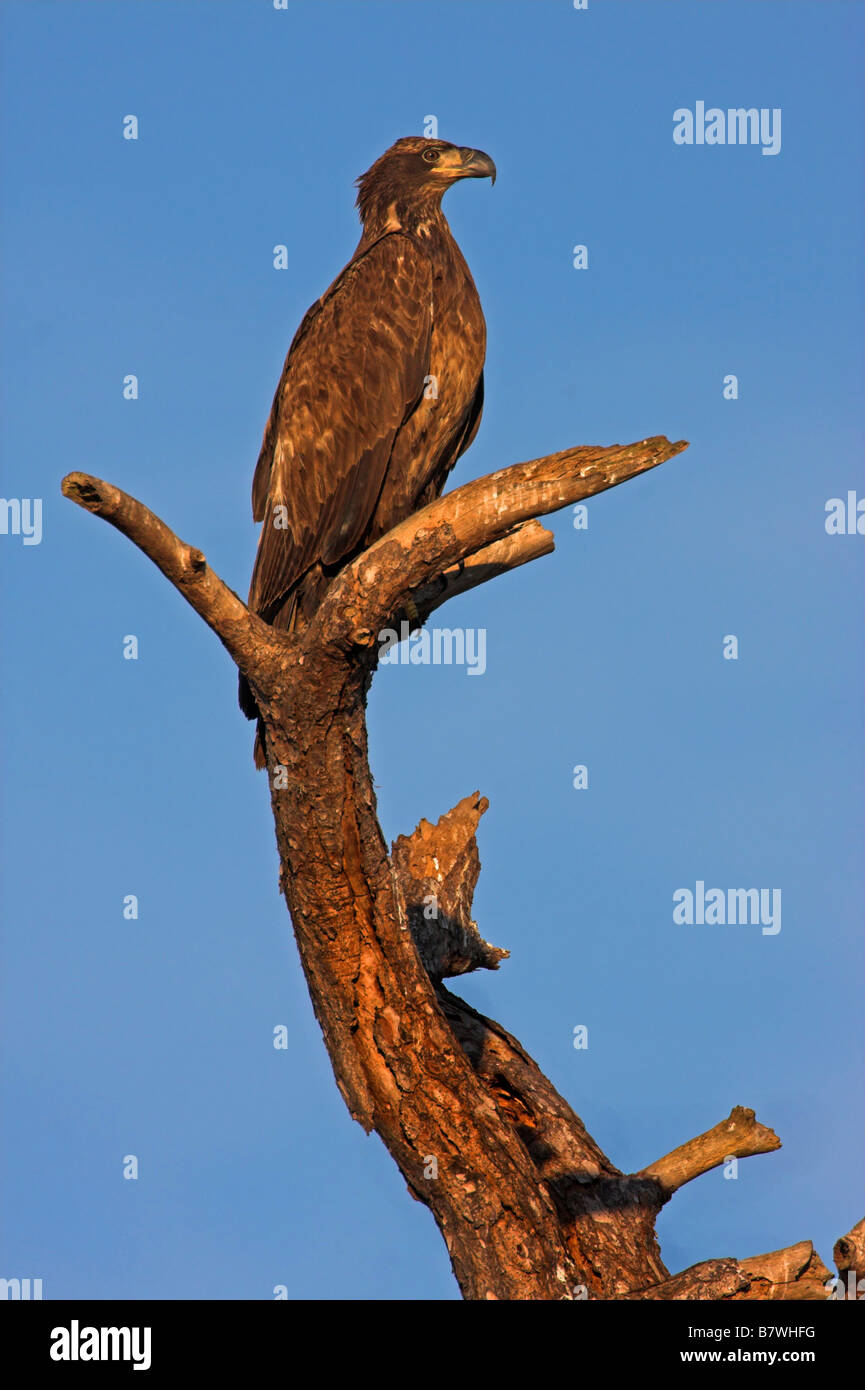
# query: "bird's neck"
{"points": [[416, 217]]}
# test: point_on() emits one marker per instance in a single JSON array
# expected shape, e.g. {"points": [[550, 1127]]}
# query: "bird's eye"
{"points": [[431, 156]]}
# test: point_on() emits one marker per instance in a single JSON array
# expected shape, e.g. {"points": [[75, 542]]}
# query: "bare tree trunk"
{"points": [[528, 1205]]}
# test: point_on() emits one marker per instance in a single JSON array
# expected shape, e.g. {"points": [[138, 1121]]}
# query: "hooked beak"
{"points": [[476, 165]]}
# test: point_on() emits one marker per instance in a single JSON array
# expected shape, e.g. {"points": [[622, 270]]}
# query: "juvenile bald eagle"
{"points": [[381, 391]]}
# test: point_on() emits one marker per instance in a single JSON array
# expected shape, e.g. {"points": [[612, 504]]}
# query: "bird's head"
{"points": [[415, 172]]}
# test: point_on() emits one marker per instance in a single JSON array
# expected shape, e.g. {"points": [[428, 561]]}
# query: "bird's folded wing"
{"points": [[355, 371]]}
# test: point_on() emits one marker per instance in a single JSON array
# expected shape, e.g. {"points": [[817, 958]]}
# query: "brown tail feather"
{"points": [[258, 753]]}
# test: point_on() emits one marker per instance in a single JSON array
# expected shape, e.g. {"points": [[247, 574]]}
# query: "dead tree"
{"points": [[528, 1205]]}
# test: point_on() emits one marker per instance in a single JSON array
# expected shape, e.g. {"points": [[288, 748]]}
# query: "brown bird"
{"points": [[381, 391]]}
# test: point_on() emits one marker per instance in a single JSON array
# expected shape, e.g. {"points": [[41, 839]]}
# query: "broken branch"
{"points": [[244, 635], [739, 1136]]}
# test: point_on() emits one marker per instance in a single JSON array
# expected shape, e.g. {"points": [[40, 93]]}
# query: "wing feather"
{"points": [[353, 374]]}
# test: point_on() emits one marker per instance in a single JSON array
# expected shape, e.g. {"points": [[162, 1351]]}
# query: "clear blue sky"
{"points": [[154, 1037]]}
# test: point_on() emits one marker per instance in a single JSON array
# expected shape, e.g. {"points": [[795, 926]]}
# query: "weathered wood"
{"points": [[739, 1136], [436, 870], [849, 1252]]}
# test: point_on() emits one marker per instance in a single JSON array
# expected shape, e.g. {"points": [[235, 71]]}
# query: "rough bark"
{"points": [[794, 1274], [528, 1205]]}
